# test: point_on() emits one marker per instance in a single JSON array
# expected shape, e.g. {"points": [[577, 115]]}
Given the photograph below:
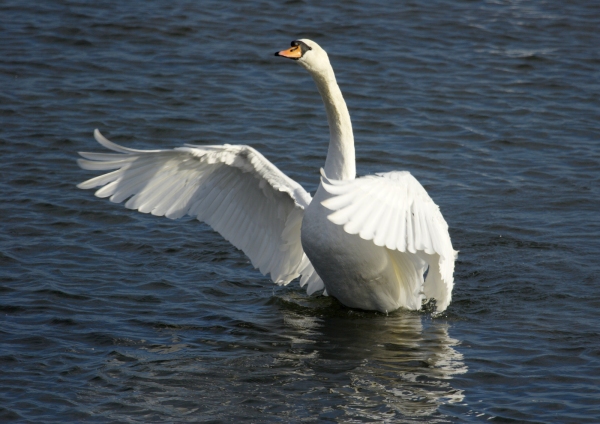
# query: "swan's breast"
{"points": [[355, 271]]}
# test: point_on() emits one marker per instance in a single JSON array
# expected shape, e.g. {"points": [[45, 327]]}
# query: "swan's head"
{"points": [[308, 54]]}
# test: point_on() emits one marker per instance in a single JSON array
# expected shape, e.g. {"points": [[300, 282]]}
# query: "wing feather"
{"points": [[100, 180], [383, 225], [94, 165], [94, 156], [136, 180], [417, 232], [369, 229], [394, 210], [234, 189]]}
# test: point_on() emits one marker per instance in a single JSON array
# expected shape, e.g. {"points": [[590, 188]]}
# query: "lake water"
{"points": [[109, 315]]}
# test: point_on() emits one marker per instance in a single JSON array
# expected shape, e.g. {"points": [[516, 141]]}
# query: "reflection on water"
{"points": [[293, 357], [403, 362]]}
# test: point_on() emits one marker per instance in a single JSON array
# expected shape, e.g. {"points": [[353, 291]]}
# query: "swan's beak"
{"points": [[294, 52]]}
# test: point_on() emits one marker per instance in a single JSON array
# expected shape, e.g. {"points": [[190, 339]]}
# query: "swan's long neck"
{"points": [[340, 163]]}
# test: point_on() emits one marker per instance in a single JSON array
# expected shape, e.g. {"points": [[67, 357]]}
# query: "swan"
{"points": [[377, 242]]}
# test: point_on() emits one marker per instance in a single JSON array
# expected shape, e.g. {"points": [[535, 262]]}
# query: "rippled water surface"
{"points": [[109, 315]]}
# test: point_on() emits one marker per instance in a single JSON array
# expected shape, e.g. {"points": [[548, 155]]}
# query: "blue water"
{"points": [[109, 315]]}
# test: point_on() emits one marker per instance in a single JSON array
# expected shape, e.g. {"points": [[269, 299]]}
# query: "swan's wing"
{"points": [[234, 189], [394, 210]]}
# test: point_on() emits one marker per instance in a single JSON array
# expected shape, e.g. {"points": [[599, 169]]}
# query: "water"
{"points": [[107, 315]]}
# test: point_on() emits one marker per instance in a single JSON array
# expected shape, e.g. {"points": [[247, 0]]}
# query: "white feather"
{"points": [[394, 210], [233, 188]]}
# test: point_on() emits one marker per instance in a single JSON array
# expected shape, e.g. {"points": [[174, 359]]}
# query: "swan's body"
{"points": [[367, 241]]}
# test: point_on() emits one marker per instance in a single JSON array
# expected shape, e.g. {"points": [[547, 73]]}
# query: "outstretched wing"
{"points": [[234, 189], [394, 210]]}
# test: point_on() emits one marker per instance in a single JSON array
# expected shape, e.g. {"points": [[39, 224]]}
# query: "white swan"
{"points": [[367, 241]]}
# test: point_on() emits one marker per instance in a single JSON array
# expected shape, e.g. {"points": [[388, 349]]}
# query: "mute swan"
{"points": [[366, 241]]}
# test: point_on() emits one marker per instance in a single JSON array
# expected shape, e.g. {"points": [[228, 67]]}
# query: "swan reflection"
{"points": [[294, 358], [375, 365]]}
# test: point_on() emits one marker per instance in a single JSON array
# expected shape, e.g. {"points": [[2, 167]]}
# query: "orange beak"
{"points": [[294, 52]]}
